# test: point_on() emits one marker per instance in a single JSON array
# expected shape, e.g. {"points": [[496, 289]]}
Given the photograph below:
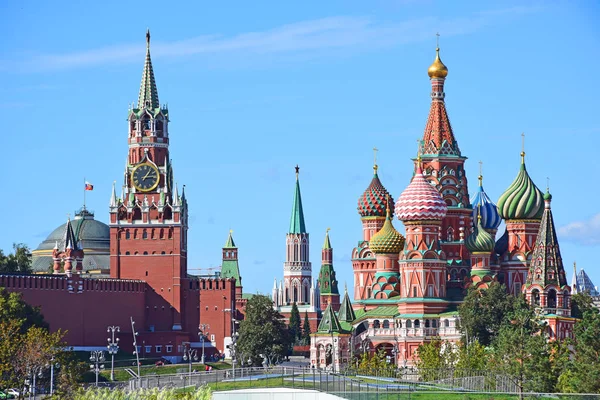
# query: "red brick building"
{"points": [[149, 280]]}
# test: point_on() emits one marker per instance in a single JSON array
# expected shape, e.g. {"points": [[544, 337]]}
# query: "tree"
{"points": [[484, 311], [521, 351], [19, 261], [263, 332], [13, 308], [306, 330], [582, 375], [295, 331], [580, 303], [472, 357]]}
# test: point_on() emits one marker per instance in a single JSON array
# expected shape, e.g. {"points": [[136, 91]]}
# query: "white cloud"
{"points": [[325, 34], [583, 232]]}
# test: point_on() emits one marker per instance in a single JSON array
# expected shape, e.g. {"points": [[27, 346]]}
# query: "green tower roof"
{"points": [[346, 312], [327, 244], [297, 220], [148, 97], [329, 322], [230, 243]]}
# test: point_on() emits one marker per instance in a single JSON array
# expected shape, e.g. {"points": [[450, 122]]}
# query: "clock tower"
{"points": [[148, 222]]}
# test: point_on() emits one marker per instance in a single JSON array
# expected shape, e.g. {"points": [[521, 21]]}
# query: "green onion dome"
{"points": [[480, 241], [522, 200], [388, 240]]}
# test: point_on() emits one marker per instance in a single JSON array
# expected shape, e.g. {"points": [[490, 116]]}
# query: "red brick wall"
{"points": [[85, 316]]}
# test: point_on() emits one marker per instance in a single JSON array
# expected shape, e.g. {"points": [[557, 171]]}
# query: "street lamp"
{"points": [[234, 336], [113, 348], [135, 348], [52, 365], [189, 354], [332, 351], [203, 328], [97, 358]]}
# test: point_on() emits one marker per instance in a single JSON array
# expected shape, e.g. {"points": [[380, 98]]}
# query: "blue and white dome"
{"points": [[490, 217]]}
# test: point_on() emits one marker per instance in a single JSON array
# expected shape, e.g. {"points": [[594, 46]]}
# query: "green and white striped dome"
{"points": [[522, 200]]}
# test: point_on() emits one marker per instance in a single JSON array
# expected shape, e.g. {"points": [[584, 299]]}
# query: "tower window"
{"points": [[145, 235], [127, 235]]}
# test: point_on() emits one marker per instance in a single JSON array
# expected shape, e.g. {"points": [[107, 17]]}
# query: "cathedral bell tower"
{"points": [[148, 222]]}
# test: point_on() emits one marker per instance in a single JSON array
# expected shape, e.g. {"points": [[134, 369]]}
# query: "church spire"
{"points": [[148, 97], [297, 220], [438, 137], [546, 262]]}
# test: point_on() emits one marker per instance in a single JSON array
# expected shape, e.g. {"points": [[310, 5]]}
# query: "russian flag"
{"points": [[88, 186]]}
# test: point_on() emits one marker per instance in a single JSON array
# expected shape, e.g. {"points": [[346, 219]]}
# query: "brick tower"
{"points": [[148, 223], [372, 210], [546, 287], [522, 207], [327, 283], [297, 271], [443, 166]]}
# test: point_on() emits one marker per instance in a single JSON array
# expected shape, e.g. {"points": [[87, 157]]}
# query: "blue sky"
{"points": [[255, 88]]}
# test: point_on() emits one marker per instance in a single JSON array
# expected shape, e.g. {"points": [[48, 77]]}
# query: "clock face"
{"points": [[145, 177]]}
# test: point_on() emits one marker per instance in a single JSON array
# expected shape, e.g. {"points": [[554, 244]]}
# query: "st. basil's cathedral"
{"points": [[406, 288]]}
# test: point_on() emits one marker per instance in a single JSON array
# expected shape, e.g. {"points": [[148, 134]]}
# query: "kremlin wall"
{"points": [[406, 290]]}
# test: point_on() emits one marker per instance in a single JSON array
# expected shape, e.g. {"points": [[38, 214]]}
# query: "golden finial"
{"points": [[387, 206], [327, 231], [375, 167], [231, 231], [479, 212], [418, 152], [480, 177], [437, 69], [523, 148]]}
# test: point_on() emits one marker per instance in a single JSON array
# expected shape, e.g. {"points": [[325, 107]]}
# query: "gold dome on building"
{"points": [[437, 69]]}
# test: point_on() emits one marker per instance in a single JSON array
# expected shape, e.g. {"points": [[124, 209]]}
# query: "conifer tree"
{"points": [[306, 329], [294, 326]]}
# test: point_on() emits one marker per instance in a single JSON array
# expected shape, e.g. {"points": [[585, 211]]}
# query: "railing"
{"points": [[405, 380]]}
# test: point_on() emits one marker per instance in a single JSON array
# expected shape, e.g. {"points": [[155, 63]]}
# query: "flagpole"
{"points": [[84, 193]]}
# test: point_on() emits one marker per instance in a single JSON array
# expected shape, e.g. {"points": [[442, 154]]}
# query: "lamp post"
{"points": [[97, 358], [52, 363], [135, 349], [190, 354], [234, 336], [203, 328], [113, 348]]}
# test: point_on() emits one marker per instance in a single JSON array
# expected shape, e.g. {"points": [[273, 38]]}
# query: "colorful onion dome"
{"points": [[373, 201], [480, 241], [437, 69], [420, 200], [502, 244], [522, 200], [484, 206], [387, 240]]}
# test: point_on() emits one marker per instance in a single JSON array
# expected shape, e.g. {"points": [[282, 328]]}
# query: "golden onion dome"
{"points": [[437, 69]]}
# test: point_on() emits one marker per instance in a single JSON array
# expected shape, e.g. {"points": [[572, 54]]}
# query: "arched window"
{"points": [[127, 235], [386, 324], [306, 295], [566, 299], [295, 299], [145, 235], [376, 324], [426, 323], [434, 323], [450, 234], [408, 323], [446, 323], [551, 299], [535, 297], [417, 323]]}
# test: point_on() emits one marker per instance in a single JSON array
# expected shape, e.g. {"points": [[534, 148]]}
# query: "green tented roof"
{"points": [[297, 220], [230, 244], [230, 269], [329, 322]]}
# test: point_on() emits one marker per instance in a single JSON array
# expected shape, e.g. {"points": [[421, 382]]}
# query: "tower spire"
{"points": [[523, 148], [148, 97], [375, 167], [297, 220]]}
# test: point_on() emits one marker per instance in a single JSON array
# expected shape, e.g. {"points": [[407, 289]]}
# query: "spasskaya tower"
{"points": [[148, 222]]}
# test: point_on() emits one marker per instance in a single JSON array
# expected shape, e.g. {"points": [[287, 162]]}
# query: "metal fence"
{"points": [[399, 384]]}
